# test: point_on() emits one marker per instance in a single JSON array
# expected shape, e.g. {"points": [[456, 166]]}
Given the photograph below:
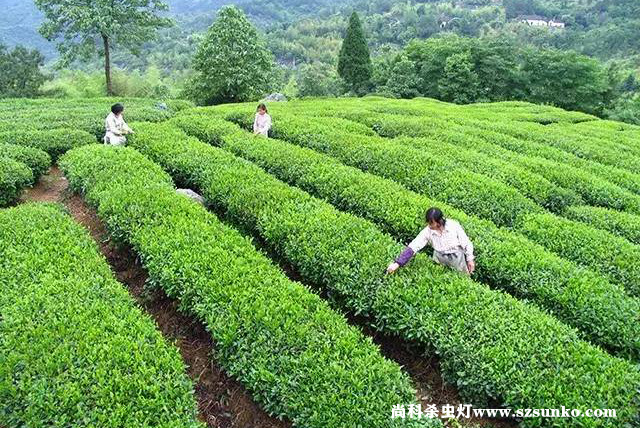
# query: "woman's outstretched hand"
{"points": [[471, 266], [392, 268]]}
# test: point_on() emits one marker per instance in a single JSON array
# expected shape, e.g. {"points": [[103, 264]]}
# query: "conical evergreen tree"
{"points": [[630, 84], [354, 62]]}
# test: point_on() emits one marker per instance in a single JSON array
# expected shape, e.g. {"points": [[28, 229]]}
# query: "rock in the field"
{"points": [[276, 97], [191, 195], [162, 106]]}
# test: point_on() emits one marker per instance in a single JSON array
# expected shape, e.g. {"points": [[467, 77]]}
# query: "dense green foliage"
{"points": [[428, 173], [592, 181], [354, 61], [21, 75], [490, 343], [382, 162], [76, 350], [87, 115], [232, 63], [465, 70], [569, 292], [78, 84], [614, 257], [84, 29], [510, 59], [601, 28], [619, 223], [55, 142], [37, 160], [298, 358], [14, 176]]}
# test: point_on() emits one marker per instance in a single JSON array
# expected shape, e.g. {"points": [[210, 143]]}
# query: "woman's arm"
{"points": [[126, 127], [411, 250], [467, 246]]}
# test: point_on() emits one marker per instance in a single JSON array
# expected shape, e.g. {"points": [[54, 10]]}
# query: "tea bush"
{"points": [[298, 358], [75, 349]]}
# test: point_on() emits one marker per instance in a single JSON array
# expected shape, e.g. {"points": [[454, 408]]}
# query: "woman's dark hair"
{"points": [[117, 108], [435, 215], [262, 106]]}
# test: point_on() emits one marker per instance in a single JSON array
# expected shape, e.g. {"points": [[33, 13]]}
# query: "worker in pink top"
{"points": [[451, 245], [262, 122]]}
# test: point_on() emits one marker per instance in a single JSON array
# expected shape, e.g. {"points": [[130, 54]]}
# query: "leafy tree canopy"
{"points": [[232, 63]]}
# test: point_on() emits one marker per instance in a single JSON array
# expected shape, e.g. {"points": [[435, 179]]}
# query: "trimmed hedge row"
{"points": [[14, 176], [617, 270], [574, 173], [597, 139], [75, 348], [526, 107], [491, 345], [578, 145], [583, 170], [612, 256], [539, 189], [425, 116], [612, 128], [300, 359], [534, 146], [506, 260], [611, 132], [485, 112], [86, 115], [530, 184], [427, 173], [619, 223], [54, 142], [37, 160], [482, 111]]}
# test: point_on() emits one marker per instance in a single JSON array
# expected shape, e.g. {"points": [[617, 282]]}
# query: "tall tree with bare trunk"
{"points": [[84, 28]]}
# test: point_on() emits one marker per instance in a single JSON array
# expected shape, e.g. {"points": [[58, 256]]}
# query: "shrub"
{"points": [[37, 160], [14, 176], [614, 257], [298, 358], [85, 115], [534, 186], [430, 174], [581, 146], [76, 350], [54, 142], [559, 167], [619, 223]]}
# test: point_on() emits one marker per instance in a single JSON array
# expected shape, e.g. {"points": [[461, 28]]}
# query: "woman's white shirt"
{"points": [[115, 127], [262, 124]]}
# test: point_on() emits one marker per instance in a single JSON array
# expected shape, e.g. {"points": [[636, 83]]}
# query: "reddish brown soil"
{"points": [[222, 402]]}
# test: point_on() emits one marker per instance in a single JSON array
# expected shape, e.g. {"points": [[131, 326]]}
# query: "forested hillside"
{"points": [[305, 37], [303, 29]]}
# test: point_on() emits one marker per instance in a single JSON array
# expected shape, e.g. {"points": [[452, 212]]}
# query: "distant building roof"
{"points": [[533, 18]]}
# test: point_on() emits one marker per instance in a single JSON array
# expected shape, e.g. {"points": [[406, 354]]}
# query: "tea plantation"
{"points": [[284, 265]]}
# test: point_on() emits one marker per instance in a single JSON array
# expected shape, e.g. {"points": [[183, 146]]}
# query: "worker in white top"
{"points": [[451, 245], [262, 122], [116, 127]]}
